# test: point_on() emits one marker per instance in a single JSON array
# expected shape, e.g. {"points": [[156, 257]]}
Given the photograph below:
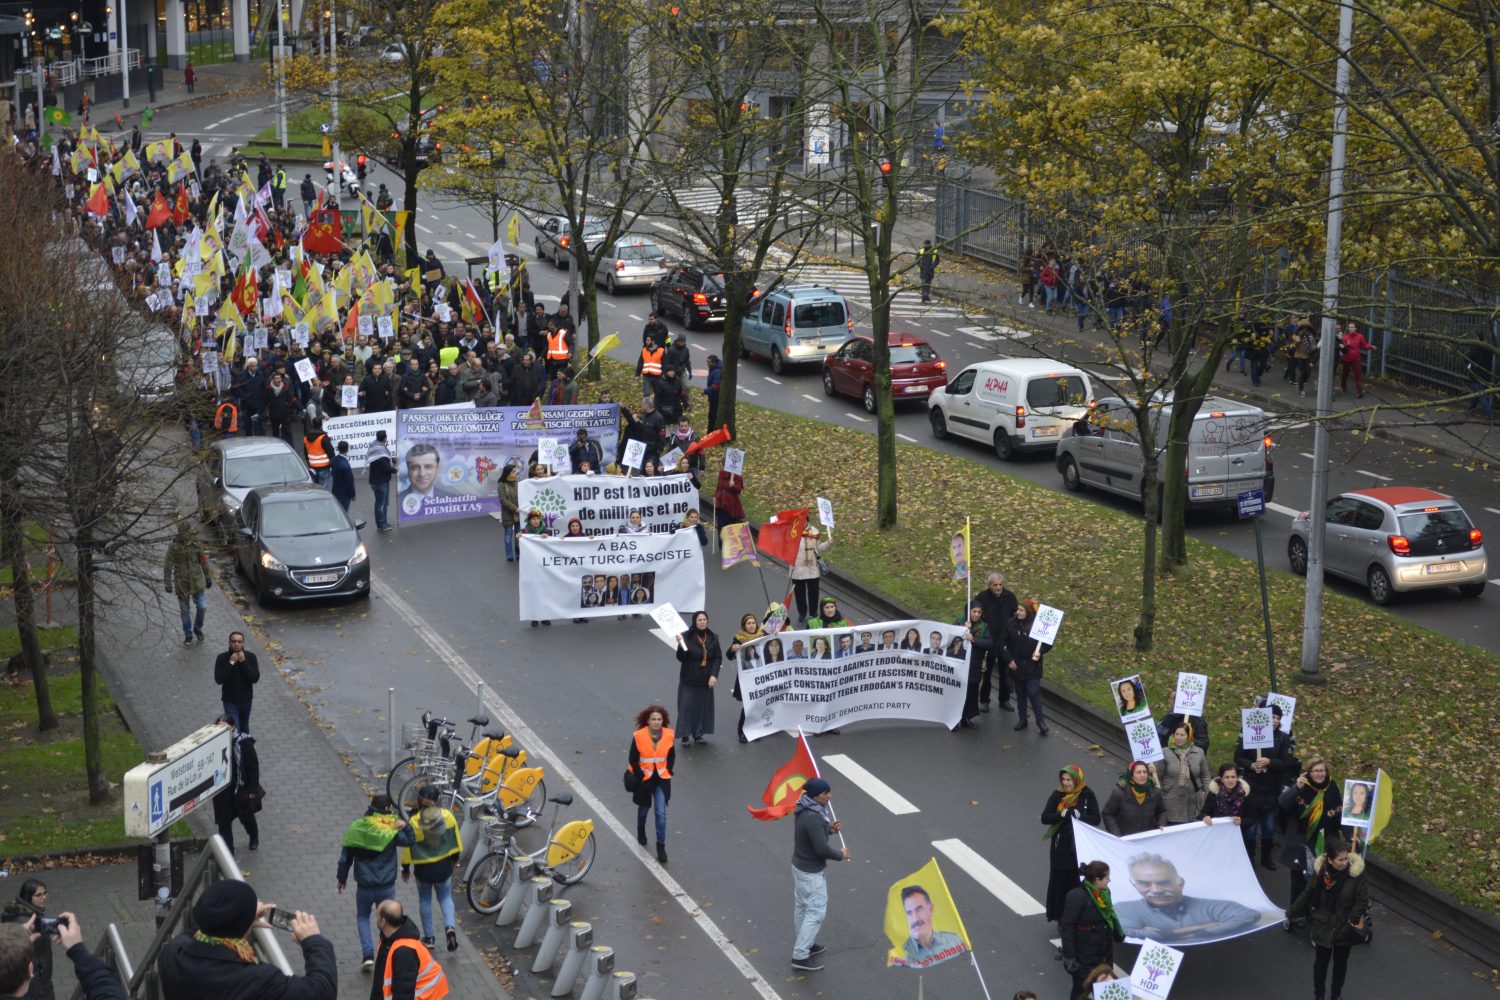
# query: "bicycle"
{"points": [[429, 741], [566, 855]]}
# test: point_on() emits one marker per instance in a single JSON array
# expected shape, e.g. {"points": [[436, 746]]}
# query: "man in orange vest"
{"points": [[227, 419], [319, 455], [649, 366], [404, 968], [559, 348]]}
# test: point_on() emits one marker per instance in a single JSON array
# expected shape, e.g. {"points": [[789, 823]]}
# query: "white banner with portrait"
{"points": [[604, 503], [610, 575], [819, 679], [359, 430], [1185, 885]]}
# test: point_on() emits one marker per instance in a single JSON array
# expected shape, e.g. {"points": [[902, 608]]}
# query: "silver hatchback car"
{"points": [[633, 261], [1394, 539]]}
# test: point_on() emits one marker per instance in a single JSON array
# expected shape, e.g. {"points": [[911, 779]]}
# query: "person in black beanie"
{"points": [[217, 960]]}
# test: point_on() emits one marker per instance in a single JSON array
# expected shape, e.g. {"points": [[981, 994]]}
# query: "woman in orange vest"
{"points": [[319, 455], [652, 756]]}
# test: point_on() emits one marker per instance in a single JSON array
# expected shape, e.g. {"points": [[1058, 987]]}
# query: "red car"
{"points": [[916, 369]]}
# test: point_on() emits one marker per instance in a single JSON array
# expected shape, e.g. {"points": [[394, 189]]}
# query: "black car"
{"points": [[297, 542], [691, 293]]}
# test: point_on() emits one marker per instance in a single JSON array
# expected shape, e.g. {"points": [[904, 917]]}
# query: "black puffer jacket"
{"points": [[1086, 937], [1331, 909]]}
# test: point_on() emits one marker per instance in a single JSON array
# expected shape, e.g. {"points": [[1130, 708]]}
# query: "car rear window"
{"points": [[908, 354], [1434, 523], [1057, 390], [809, 314], [264, 470], [639, 251]]}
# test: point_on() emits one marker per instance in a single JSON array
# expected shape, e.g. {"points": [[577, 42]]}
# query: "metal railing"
{"points": [[109, 65], [141, 979]]}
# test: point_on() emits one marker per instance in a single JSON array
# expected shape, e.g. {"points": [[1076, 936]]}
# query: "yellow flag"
{"points": [[204, 282], [328, 309], [177, 267], [179, 168], [513, 229], [293, 312], [921, 922], [131, 163], [382, 297], [607, 344], [401, 217], [229, 314], [229, 346], [117, 170], [958, 551], [1385, 795]]}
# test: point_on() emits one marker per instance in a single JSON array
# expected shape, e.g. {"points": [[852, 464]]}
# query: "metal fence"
{"points": [[1413, 323]]}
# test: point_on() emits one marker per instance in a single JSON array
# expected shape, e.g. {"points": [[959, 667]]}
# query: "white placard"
{"points": [[164, 274], [1192, 694], [210, 362], [201, 305], [300, 334], [1257, 729], [1046, 623], [1145, 744], [154, 302], [668, 620], [442, 312], [305, 370], [1359, 802], [1113, 989], [561, 463], [384, 327], [734, 461], [366, 325], [670, 459], [192, 268], [825, 512], [440, 293], [1129, 694], [93, 175], [1155, 969], [635, 454], [260, 339], [1288, 705], [284, 279], [546, 448], [349, 397], [117, 254]]}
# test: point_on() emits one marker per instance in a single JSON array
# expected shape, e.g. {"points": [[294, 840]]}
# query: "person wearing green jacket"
{"points": [[185, 573], [432, 856]]}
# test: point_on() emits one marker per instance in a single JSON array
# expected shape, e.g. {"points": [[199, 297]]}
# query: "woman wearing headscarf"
{"points": [[1072, 799], [1229, 798], [1184, 775], [1314, 804], [750, 630], [828, 615], [242, 800], [652, 757], [1025, 665], [1335, 903], [1089, 927], [31, 901], [534, 526], [698, 658], [1135, 805]]}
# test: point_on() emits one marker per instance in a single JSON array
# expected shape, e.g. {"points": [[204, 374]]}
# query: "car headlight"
{"points": [[360, 554], [231, 505], [268, 561]]}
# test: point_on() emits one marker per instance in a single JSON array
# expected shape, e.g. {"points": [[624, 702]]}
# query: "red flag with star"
{"points": [[98, 203], [785, 787], [181, 213], [246, 293], [781, 537], [160, 212]]}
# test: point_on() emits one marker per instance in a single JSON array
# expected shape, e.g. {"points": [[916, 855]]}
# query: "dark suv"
{"points": [[692, 293]]}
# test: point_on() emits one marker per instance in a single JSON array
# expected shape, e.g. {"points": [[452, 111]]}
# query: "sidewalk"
{"points": [[165, 691], [1426, 422], [212, 81]]}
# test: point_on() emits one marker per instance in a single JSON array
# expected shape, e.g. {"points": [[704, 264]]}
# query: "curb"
{"points": [[113, 853]]}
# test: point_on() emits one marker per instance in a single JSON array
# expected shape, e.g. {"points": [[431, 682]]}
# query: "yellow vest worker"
{"points": [[651, 361], [317, 452], [557, 346], [432, 984], [654, 756]]}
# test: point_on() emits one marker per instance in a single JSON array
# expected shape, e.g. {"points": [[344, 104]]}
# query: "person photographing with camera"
{"points": [[18, 942]]}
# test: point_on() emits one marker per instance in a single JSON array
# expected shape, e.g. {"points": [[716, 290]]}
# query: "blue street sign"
{"points": [[1251, 503], [158, 805]]}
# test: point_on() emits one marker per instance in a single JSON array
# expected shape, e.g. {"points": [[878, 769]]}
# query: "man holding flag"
{"points": [[811, 851]]}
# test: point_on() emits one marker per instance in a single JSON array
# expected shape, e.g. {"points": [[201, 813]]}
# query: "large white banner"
{"points": [[359, 430], [819, 679], [604, 503], [1185, 885], [610, 575]]}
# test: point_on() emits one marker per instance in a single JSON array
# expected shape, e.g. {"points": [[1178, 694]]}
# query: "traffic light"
{"points": [[885, 171]]}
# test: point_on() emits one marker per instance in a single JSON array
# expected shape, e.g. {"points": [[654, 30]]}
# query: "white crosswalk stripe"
{"points": [[750, 203], [854, 286]]}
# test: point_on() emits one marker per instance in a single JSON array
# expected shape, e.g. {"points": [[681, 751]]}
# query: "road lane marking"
{"points": [[903, 437], [699, 347], [1492, 510], [632, 316], [748, 392], [856, 416], [499, 709], [941, 333], [454, 248], [1307, 455], [1374, 475], [773, 381], [987, 875], [1278, 508], [815, 399], [869, 784], [609, 303], [424, 229]]}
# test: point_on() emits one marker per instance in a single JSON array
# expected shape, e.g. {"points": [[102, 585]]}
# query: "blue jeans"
{"points": [[444, 890], [659, 800], [192, 623], [322, 476], [809, 907], [1265, 825], [366, 898], [382, 494], [510, 542], [1050, 293], [1081, 307], [1485, 402], [239, 715]]}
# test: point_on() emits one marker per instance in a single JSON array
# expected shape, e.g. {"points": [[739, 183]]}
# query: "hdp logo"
{"points": [[1192, 690], [1158, 962], [551, 504], [1259, 721], [1143, 734]]}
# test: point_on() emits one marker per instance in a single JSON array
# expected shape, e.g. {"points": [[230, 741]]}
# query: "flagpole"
{"points": [[969, 569], [980, 974], [818, 774]]}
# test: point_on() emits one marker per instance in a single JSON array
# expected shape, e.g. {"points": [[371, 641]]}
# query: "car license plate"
{"points": [[312, 578], [916, 388], [1044, 432], [1445, 567], [1203, 492]]}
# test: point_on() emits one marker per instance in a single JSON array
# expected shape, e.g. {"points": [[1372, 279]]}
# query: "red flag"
{"points": [[98, 203], [325, 231], [246, 293], [180, 212], [786, 784], [160, 212], [718, 437], [781, 538], [473, 307], [120, 122], [351, 325]]}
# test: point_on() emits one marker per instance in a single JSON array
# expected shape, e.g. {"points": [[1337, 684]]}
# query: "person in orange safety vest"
{"points": [[652, 757], [404, 967]]}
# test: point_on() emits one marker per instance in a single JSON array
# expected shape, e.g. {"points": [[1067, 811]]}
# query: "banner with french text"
{"points": [[604, 503], [819, 679], [597, 577]]}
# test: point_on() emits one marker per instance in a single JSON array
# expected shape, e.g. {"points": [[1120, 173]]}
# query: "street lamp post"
{"points": [[333, 69], [281, 132], [124, 52]]}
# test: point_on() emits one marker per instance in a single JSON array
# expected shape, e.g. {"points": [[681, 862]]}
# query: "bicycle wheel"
{"points": [[537, 801], [486, 890], [572, 871], [406, 801], [403, 772]]}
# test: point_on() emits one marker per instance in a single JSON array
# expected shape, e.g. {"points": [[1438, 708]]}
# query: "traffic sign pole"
{"points": [[1252, 505]]}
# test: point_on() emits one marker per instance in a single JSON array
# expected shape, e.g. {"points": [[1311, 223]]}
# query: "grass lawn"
{"points": [[1417, 704], [43, 797]]}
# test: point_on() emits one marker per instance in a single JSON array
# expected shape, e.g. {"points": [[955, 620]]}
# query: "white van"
{"points": [[1228, 452], [1011, 404]]}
